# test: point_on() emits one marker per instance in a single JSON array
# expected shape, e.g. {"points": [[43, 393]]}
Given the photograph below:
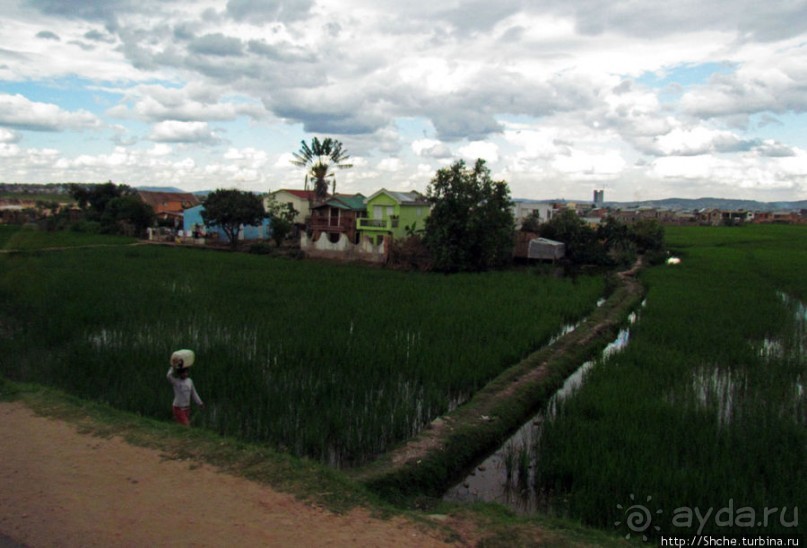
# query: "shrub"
{"points": [[86, 227], [261, 248]]}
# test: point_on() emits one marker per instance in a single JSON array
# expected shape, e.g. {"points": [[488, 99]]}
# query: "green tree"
{"points": [[115, 209], [471, 226], [282, 218], [127, 215], [319, 160], [93, 199], [232, 209], [648, 235], [532, 223], [582, 244]]}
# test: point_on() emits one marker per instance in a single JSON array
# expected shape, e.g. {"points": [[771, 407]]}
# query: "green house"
{"points": [[390, 213]]}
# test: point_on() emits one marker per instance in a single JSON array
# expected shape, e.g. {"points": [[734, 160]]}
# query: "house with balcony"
{"points": [[389, 213], [337, 215]]}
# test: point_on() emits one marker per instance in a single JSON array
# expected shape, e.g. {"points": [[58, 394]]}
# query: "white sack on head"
{"points": [[187, 357]]}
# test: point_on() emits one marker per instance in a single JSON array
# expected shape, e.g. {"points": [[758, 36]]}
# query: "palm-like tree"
{"points": [[319, 159]]}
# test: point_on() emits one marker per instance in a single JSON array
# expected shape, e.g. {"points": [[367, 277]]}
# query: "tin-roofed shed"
{"points": [[546, 249]]}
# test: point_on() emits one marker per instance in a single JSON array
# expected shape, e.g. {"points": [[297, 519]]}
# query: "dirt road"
{"points": [[59, 487]]}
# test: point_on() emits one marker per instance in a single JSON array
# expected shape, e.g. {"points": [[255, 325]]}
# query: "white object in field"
{"points": [[673, 260], [187, 357]]}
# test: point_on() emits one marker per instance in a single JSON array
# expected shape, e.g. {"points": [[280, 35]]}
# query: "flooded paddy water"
{"points": [[507, 476], [724, 390]]}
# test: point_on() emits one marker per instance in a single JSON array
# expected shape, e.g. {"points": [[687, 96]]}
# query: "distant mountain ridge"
{"points": [[160, 189], [687, 204], [678, 204], [692, 204]]}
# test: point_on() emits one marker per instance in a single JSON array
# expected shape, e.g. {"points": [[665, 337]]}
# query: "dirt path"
{"points": [[59, 487]]}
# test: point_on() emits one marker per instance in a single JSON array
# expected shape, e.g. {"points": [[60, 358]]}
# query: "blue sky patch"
{"points": [[685, 75]]}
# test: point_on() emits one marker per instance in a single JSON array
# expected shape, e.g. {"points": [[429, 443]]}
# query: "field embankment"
{"points": [[428, 463]]}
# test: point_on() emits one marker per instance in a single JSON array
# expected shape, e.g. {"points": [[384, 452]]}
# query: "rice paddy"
{"points": [[705, 408], [333, 362]]}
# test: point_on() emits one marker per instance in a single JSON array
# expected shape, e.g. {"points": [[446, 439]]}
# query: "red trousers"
{"points": [[182, 415]]}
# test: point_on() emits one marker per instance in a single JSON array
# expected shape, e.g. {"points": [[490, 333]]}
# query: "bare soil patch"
{"points": [[59, 487]]}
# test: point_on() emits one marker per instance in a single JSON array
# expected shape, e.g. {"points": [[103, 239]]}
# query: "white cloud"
{"points": [[9, 151], [8, 136], [18, 112], [554, 93], [480, 149], [194, 102], [686, 167], [431, 148], [284, 161], [533, 143], [772, 79], [389, 164], [698, 140], [590, 165], [160, 149], [173, 131], [248, 158]]}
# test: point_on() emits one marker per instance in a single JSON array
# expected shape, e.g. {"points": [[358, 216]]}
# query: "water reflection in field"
{"points": [[724, 390], [506, 476]]}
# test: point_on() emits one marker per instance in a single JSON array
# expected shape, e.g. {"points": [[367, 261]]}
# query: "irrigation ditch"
{"points": [[419, 472], [508, 475]]}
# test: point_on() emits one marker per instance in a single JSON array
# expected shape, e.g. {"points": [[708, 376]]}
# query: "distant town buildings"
{"points": [[27, 203]]}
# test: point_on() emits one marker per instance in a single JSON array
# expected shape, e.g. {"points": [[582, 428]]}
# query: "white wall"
{"points": [[365, 250], [522, 210]]}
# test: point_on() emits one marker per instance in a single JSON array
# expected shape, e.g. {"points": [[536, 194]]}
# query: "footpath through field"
{"points": [[428, 463]]}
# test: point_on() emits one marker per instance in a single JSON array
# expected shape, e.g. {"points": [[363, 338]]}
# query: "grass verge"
{"points": [[309, 481]]}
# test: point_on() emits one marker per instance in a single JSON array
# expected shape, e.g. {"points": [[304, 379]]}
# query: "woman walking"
{"points": [[184, 390]]}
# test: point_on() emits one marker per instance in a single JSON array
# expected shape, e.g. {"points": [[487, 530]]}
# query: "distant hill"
{"points": [[685, 204], [159, 189], [690, 204]]}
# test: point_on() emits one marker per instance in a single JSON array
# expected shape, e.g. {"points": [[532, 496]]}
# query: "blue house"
{"points": [[192, 222]]}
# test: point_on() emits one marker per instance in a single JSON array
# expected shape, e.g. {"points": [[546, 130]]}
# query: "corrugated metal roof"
{"points": [[344, 201], [354, 202], [544, 248], [547, 241], [158, 199], [403, 198]]}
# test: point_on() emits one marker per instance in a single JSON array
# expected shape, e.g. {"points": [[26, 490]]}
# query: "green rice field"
{"points": [[333, 362], [29, 239], [700, 425]]}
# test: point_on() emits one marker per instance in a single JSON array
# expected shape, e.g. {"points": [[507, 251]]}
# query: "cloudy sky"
{"points": [[643, 99]]}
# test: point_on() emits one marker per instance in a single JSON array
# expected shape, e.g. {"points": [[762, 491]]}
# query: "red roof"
{"points": [[174, 201], [302, 194]]}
